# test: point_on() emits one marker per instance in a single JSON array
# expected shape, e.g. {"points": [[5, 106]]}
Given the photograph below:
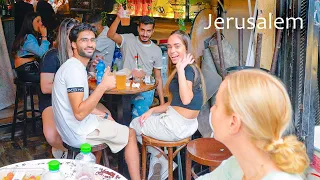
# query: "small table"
{"points": [[123, 100], [67, 167]]}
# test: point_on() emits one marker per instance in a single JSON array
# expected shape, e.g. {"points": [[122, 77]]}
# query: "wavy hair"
{"points": [[264, 107], [63, 38]]}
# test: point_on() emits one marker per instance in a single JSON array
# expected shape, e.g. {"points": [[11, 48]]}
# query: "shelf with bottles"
{"points": [[155, 8], [6, 8]]}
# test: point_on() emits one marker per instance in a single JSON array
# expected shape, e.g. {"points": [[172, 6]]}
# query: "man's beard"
{"points": [[144, 41], [83, 54]]}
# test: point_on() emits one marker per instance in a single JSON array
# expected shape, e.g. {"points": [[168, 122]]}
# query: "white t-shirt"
{"points": [[149, 55], [231, 170], [71, 77]]}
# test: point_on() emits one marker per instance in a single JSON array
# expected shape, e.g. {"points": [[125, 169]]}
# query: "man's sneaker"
{"points": [[164, 170], [154, 168], [58, 154]]}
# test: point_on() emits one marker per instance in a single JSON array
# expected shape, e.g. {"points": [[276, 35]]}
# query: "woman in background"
{"points": [[26, 48], [251, 112], [50, 64]]}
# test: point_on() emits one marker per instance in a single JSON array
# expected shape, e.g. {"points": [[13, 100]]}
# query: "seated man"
{"points": [[77, 118]]}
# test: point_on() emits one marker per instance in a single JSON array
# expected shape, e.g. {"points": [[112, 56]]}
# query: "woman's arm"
{"points": [[160, 109], [46, 82], [31, 45], [185, 88]]}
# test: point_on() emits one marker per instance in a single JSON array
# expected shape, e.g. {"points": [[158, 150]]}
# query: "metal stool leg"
{"points": [[32, 110], [14, 121], [25, 109]]}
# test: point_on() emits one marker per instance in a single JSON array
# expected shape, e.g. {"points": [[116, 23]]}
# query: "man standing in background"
{"points": [[104, 45]]}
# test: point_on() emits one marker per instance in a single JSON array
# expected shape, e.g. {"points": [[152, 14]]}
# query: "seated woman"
{"points": [[50, 64], [251, 113], [26, 48], [176, 119]]}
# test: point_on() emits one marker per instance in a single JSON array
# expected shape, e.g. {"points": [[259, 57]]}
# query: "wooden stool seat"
{"points": [[73, 151], [205, 151], [149, 141]]}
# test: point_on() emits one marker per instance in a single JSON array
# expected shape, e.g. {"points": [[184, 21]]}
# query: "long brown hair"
{"points": [[185, 39]]}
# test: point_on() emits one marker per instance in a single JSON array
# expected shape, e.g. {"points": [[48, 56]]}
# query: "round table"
{"points": [[67, 167]]}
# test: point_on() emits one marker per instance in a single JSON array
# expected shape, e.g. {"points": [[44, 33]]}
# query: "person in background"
{"points": [[21, 9], [176, 119], [47, 14], [50, 64], [251, 113], [26, 48], [104, 45], [76, 114], [149, 58]]}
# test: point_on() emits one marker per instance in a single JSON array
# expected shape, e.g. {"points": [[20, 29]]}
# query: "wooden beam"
{"points": [[266, 11]]}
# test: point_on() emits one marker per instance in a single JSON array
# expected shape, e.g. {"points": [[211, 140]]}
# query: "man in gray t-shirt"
{"points": [[149, 58], [105, 46]]}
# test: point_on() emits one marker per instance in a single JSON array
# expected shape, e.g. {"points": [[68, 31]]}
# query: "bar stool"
{"points": [[148, 141], [72, 152], [205, 151], [27, 90]]}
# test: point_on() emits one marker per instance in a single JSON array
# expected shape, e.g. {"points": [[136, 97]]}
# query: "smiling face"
{"points": [[37, 23], [176, 48], [85, 44], [145, 32]]}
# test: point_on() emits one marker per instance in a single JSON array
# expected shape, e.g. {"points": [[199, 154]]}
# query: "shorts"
{"points": [[113, 134]]}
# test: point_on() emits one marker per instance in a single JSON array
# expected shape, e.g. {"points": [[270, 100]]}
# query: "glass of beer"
{"points": [[121, 80], [125, 18]]}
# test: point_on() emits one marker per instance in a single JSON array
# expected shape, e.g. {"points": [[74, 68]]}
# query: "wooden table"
{"points": [[122, 99], [67, 167]]}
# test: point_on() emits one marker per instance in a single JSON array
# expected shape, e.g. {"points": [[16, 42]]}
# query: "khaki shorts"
{"points": [[113, 134]]}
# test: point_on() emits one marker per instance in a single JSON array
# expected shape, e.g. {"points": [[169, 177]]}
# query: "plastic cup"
{"points": [[121, 80], [125, 18]]}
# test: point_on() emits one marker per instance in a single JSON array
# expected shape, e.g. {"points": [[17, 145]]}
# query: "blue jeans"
{"points": [[141, 103]]}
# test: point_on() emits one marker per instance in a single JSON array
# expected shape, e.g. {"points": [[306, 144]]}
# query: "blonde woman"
{"points": [[176, 119], [251, 112]]}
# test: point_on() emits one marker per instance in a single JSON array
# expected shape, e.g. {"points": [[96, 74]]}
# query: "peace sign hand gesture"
{"points": [[188, 59]]}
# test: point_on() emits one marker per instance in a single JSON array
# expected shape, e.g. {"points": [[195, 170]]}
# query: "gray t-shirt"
{"points": [[105, 47], [71, 77], [150, 55]]}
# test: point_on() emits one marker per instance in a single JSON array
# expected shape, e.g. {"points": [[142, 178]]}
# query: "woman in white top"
{"points": [[251, 112]]}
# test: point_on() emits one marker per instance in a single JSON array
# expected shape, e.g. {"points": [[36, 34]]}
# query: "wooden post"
{"points": [[267, 13]]}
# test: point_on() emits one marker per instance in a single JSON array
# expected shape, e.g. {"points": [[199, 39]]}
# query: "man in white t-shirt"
{"points": [[149, 58], [76, 114]]}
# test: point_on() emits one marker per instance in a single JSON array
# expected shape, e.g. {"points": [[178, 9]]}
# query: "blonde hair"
{"points": [[264, 107], [187, 43]]}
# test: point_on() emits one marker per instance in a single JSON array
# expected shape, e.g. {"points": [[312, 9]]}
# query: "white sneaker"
{"points": [[154, 168], [58, 154], [164, 170]]}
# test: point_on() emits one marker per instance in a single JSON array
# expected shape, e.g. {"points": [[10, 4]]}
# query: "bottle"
{"points": [[85, 162], [54, 171], [3, 9], [100, 71]]}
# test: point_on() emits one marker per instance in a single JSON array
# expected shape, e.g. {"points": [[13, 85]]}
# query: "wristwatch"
{"points": [[106, 116]]}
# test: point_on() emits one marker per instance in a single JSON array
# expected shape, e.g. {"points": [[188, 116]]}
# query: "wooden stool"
{"points": [[205, 151], [72, 152], [148, 141]]}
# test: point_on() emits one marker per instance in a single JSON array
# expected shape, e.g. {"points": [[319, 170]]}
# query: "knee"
{"points": [[52, 136]]}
